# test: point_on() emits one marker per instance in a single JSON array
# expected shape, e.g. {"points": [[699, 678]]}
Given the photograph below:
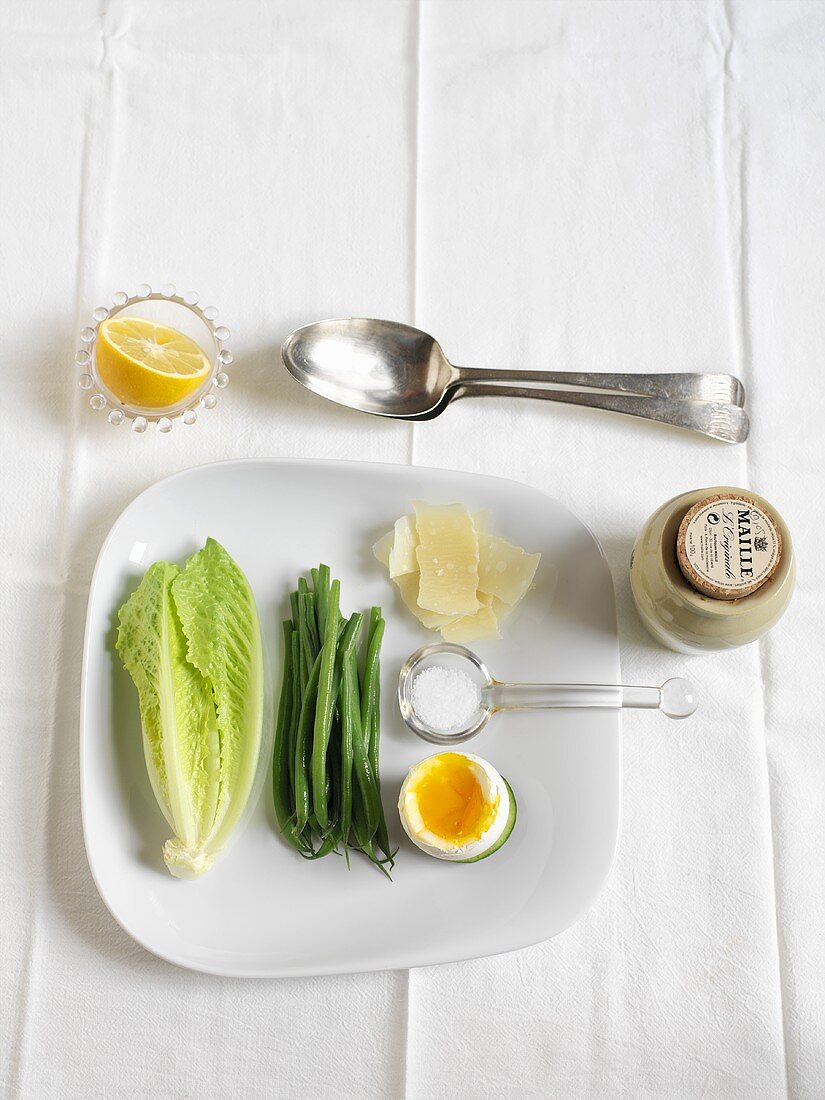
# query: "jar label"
{"points": [[728, 547]]}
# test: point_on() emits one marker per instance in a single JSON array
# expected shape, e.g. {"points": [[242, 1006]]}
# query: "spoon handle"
{"points": [[676, 698], [679, 387], [717, 419]]}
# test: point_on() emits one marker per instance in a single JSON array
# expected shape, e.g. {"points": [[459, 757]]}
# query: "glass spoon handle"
{"points": [[676, 698]]}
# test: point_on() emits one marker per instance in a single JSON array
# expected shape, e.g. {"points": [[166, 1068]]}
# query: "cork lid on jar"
{"points": [[728, 546]]}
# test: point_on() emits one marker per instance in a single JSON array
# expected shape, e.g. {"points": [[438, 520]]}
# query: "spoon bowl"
{"points": [[446, 655], [377, 367]]}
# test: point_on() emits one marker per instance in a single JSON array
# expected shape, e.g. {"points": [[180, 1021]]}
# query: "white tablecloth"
{"points": [[626, 186]]}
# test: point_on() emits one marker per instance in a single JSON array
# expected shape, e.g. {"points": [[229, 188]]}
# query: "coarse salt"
{"points": [[445, 698]]}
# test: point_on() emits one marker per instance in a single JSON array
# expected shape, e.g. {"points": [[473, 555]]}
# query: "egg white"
{"points": [[492, 786]]}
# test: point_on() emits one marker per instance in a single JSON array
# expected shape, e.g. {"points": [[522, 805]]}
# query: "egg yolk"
{"points": [[451, 800]]}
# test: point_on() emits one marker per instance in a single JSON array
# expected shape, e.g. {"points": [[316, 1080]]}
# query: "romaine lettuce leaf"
{"points": [[191, 642], [220, 621]]}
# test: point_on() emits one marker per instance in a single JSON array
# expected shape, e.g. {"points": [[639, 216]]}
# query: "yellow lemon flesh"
{"points": [[148, 365]]}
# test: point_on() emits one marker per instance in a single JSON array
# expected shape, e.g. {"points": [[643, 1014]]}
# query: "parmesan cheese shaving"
{"points": [[471, 628], [504, 570], [382, 548], [408, 590], [452, 573], [447, 559], [404, 545]]}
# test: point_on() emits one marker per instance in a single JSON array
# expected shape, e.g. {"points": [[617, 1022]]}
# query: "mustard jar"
{"points": [[712, 569]]}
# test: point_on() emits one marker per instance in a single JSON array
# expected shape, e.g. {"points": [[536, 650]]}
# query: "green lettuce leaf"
{"points": [[191, 642], [220, 621]]}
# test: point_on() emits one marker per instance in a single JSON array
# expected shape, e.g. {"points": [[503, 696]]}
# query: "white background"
{"points": [[626, 186]]}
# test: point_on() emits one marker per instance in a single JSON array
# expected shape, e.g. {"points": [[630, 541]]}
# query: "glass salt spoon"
{"points": [[472, 696]]}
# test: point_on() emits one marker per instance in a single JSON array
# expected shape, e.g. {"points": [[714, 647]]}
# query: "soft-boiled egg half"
{"points": [[456, 806]]}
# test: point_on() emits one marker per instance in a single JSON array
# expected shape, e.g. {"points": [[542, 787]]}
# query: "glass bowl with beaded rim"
{"points": [[167, 307]]}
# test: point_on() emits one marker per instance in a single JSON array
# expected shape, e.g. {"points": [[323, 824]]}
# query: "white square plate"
{"points": [[262, 910]]}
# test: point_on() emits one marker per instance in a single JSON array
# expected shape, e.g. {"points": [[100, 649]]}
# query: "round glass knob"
{"points": [[678, 698]]}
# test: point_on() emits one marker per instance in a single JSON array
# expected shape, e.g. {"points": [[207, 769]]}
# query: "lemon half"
{"points": [[147, 364]]}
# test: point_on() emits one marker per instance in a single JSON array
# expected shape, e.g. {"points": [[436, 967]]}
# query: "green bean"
{"points": [[346, 641], [371, 688], [301, 762], [367, 845], [381, 833], [322, 583], [348, 707], [303, 593], [373, 856], [307, 626], [346, 632], [305, 840], [324, 707], [312, 622], [325, 763], [301, 666], [295, 712], [334, 778], [359, 835], [366, 807], [361, 766], [373, 693], [326, 846], [280, 755]]}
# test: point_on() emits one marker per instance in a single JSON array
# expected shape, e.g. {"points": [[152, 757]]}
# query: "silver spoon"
{"points": [[391, 369]]}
